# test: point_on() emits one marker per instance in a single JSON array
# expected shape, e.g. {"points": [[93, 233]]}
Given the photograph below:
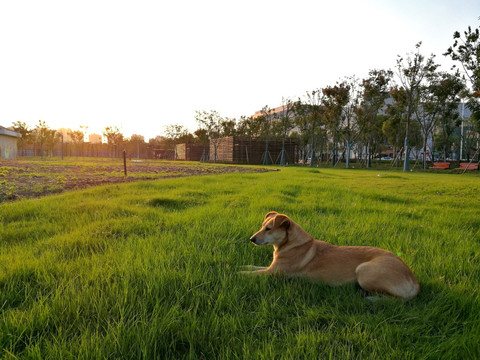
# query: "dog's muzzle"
{"points": [[253, 239]]}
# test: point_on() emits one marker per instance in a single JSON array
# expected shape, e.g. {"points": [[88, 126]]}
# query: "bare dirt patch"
{"points": [[29, 178]]}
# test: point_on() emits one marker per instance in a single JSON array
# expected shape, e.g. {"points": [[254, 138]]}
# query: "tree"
{"points": [[470, 139], [394, 127], [114, 137], [411, 73], [45, 136], [311, 114], [439, 100], [201, 137], [228, 127], [445, 137], [174, 133], [77, 137], [336, 98], [22, 128], [265, 121], [344, 99], [285, 124], [376, 89], [466, 50], [211, 122], [302, 122], [136, 140], [249, 126]]}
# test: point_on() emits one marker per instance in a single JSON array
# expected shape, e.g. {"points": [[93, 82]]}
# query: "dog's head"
{"points": [[274, 230]]}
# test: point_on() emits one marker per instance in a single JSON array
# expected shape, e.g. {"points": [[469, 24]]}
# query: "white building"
{"points": [[8, 143]]}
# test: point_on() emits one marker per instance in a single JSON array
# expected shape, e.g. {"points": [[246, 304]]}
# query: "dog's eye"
{"points": [[268, 229]]}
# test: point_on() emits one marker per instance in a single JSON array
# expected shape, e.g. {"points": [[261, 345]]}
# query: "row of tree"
{"points": [[407, 108], [404, 108], [44, 141]]}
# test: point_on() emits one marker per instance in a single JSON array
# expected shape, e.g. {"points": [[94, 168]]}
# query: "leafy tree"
{"points": [[302, 122], [249, 126], [376, 90], [77, 137], [114, 137], [285, 124], [439, 101], [394, 126], [201, 137], [156, 141], [466, 50], [411, 72], [44, 136], [228, 127], [211, 122], [265, 121], [23, 129], [173, 134], [137, 144], [343, 101], [470, 139], [137, 138], [376, 137], [336, 98], [312, 112], [445, 137]]}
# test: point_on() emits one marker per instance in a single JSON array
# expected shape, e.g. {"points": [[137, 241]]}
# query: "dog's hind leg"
{"points": [[387, 275]]}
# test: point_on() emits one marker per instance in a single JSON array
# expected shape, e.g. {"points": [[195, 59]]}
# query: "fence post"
{"points": [[125, 162]]}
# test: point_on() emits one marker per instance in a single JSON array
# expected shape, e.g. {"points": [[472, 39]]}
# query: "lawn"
{"points": [[149, 269]]}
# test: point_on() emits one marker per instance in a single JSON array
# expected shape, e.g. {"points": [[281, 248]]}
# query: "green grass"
{"points": [[149, 269]]}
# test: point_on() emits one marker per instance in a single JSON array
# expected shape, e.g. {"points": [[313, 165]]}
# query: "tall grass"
{"points": [[149, 269]]}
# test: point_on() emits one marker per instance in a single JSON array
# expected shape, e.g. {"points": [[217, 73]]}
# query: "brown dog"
{"points": [[297, 253]]}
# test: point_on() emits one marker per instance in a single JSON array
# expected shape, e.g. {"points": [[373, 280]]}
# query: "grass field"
{"points": [[149, 269]]}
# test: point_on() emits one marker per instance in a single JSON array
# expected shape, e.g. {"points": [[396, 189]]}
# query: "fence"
{"points": [[240, 150], [191, 152], [87, 150]]}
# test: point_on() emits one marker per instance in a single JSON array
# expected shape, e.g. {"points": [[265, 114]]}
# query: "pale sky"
{"points": [[141, 65]]}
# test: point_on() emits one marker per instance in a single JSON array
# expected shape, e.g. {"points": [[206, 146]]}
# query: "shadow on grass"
{"points": [[173, 204]]}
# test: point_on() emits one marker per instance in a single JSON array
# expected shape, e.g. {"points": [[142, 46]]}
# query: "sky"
{"points": [[141, 65]]}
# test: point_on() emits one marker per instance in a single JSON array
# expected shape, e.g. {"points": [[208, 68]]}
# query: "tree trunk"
{"points": [[424, 160], [349, 146], [282, 157], [334, 155], [406, 163], [369, 157]]}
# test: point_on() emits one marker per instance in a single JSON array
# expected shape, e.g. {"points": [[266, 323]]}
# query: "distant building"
{"points": [[8, 143], [65, 134], [278, 112], [95, 139]]}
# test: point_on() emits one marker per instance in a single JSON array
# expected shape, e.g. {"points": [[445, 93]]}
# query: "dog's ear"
{"points": [[271, 213], [282, 221]]}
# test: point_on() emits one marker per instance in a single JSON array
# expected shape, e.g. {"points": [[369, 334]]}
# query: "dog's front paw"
{"points": [[247, 268]]}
